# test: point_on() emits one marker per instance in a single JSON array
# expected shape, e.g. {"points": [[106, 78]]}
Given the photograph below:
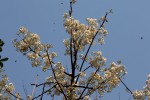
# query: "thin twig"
{"points": [[42, 92], [33, 91], [125, 86], [46, 83], [13, 95], [70, 11], [89, 82], [24, 89], [78, 86], [84, 70]]}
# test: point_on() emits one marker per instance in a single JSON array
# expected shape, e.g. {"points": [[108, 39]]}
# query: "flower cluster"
{"points": [[30, 40], [31, 46], [113, 75], [5, 88], [138, 95], [107, 79], [147, 87], [82, 34], [59, 70], [97, 60], [142, 94], [47, 58]]}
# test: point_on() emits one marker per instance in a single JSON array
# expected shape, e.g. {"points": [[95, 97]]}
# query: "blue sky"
{"points": [[129, 22]]}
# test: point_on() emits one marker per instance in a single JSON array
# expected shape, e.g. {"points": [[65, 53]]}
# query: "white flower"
{"points": [[138, 95], [86, 98], [148, 77], [50, 79], [23, 30], [73, 1], [29, 97], [82, 74], [101, 40]]}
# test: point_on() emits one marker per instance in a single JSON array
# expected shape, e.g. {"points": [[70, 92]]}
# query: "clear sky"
{"points": [[129, 22]]}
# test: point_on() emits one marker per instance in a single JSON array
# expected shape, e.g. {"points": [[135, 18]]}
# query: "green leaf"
{"points": [[4, 59], [1, 64], [1, 49], [1, 42]]}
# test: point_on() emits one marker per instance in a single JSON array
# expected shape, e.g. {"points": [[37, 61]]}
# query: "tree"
{"points": [[73, 82]]}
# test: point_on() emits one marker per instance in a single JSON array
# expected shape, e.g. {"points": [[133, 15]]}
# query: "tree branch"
{"points": [[125, 86], [91, 44], [42, 92], [55, 76], [78, 86], [33, 91], [13, 95], [89, 82]]}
